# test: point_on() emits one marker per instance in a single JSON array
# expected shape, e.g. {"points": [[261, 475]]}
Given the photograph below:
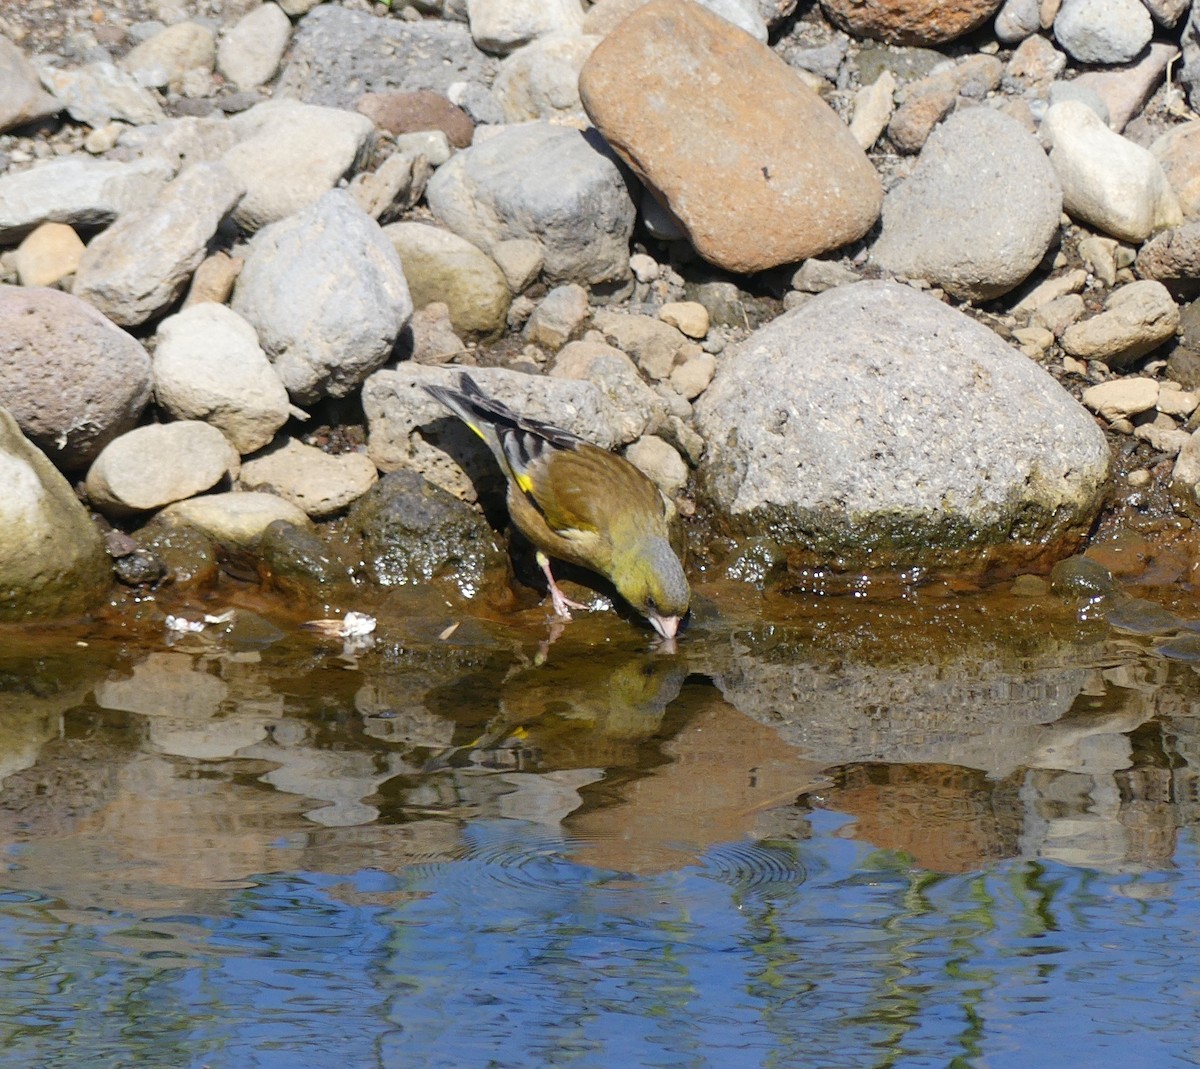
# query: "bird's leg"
{"points": [[562, 604]]}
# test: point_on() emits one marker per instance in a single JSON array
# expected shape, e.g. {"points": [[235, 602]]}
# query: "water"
{"points": [[951, 834]]}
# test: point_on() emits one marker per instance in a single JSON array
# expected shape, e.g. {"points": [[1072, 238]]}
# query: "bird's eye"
{"points": [[651, 604]]}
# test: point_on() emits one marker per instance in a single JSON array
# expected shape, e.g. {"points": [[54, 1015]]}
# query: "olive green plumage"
{"points": [[580, 504]]}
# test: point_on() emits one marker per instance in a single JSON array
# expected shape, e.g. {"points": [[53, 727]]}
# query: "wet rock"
{"points": [[188, 555], [298, 563], [48, 255], [674, 84], [52, 558], [909, 22], [1122, 398], [977, 213], [322, 347], [165, 59], [251, 49], [154, 465], [98, 93], [78, 192], [322, 484], [441, 266], [139, 567], [141, 264], [409, 429], [22, 99], [541, 79], [209, 366], [914, 483], [71, 378], [405, 113], [1136, 320], [415, 532], [1107, 180], [338, 54], [1082, 577], [505, 25], [238, 520], [289, 155], [558, 316], [1103, 31], [545, 183]]}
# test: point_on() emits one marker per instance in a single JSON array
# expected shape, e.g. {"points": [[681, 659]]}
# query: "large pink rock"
{"points": [[756, 168], [71, 378], [910, 22]]}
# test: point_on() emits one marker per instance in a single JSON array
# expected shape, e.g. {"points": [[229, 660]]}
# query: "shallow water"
{"points": [[941, 830]]}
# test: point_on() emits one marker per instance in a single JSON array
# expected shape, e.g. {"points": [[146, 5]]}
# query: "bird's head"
{"points": [[649, 576]]}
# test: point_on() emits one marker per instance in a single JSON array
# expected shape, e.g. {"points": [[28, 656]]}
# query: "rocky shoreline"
{"points": [[862, 289]]}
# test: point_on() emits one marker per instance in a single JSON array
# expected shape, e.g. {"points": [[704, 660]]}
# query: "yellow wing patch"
{"points": [[524, 481]]}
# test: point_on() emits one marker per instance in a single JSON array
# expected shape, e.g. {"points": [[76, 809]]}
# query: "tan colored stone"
{"points": [[1178, 153], [48, 255], [757, 169], [909, 22], [687, 317], [1121, 398]]}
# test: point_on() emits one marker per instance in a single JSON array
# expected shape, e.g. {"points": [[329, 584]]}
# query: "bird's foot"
{"points": [[563, 604]]}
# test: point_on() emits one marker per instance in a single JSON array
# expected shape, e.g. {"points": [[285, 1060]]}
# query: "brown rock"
{"points": [[909, 22], [1178, 151], [72, 379], [406, 113], [1172, 256], [758, 170], [926, 102]]}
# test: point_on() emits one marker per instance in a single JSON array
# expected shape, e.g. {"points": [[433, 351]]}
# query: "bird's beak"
{"points": [[666, 626]]}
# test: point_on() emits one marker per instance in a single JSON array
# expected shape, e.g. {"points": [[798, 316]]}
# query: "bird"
{"points": [[581, 504]]}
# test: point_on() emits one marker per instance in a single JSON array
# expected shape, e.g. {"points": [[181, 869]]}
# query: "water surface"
{"points": [[955, 830]]}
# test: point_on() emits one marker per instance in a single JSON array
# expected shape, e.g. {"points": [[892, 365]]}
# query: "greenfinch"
{"points": [[581, 504]]}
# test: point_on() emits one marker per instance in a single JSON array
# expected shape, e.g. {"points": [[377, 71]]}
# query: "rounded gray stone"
{"points": [[979, 210], [879, 427]]}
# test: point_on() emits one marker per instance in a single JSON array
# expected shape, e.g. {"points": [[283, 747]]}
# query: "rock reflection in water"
{"points": [[198, 768]]}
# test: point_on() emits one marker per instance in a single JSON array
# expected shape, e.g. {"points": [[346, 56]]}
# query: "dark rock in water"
{"points": [[139, 568], [1137, 616], [1082, 577], [297, 562], [415, 532], [188, 556]]}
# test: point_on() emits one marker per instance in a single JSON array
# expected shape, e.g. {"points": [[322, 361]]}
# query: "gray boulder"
{"points": [[72, 379], [77, 191], [979, 210], [326, 293], [52, 559], [876, 426], [289, 155], [22, 99], [552, 184], [141, 264], [338, 54], [1103, 31]]}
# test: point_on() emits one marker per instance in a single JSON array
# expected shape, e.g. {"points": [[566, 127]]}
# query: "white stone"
{"points": [[209, 366], [505, 25], [1107, 180], [1122, 398], [249, 53]]}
